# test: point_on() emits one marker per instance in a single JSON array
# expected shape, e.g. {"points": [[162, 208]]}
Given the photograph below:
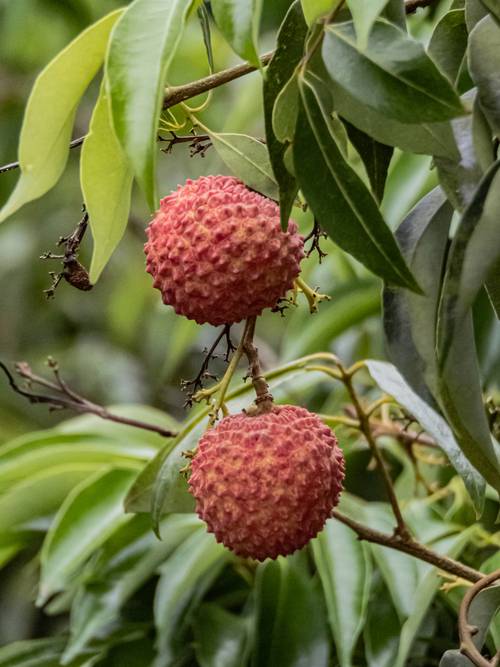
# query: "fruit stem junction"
{"points": [[264, 401], [312, 295]]}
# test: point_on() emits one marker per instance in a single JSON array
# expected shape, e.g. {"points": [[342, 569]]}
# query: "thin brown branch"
{"points": [[264, 399], [61, 397], [466, 630], [411, 547]]}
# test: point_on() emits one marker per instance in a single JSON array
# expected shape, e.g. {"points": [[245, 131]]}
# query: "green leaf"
{"points": [[314, 9], [32, 653], [391, 382], [289, 49], [475, 10], [220, 637], [50, 112], [344, 568], [143, 45], [286, 109], [106, 182], [248, 159], [338, 198], [484, 65], [291, 628], [381, 630], [184, 578], [124, 563], [448, 44], [364, 16], [475, 250], [493, 289], [239, 21], [376, 158], [482, 137], [493, 6], [87, 517], [393, 75]]}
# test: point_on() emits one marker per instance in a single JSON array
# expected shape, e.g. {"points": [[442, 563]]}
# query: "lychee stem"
{"points": [[264, 400], [313, 296]]}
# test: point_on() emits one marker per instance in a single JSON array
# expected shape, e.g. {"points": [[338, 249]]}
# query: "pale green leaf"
{"points": [[314, 9], [50, 112], [239, 21], [364, 15], [484, 65]]}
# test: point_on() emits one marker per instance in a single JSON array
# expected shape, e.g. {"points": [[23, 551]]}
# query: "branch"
{"points": [[411, 547], [264, 399], [466, 630], [61, 397]]}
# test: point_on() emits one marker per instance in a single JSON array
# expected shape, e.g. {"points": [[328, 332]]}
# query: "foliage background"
{"points": [[118, 344]]}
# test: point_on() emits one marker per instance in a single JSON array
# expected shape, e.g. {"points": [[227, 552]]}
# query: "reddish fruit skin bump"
{"points": [[217, 253], [265, 485]]}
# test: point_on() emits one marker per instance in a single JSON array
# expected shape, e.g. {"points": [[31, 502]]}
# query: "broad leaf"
{"points": [[248, 159], [448, 44], [106, 182], [87, 517], [391, 382], [339, 199], [484, 65], [239, 20], [291, 628], [50, 113], [220, 637], [393, 75], [344, 568], [289, 49], [142, 47], [364, 15]]}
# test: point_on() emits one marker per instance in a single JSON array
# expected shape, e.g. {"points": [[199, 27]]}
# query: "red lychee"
{"points": [[217, 253], [266, 484]]}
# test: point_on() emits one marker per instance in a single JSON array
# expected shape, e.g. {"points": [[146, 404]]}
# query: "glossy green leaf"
{"points": [[393, 75], [239, 21], [87, 517], [220, 637], [125, 562], [344, 568], [392, 382], [338, 198], [291, 628], [106, 182], [286, 109], [484, 64], [381, 630], [364, 15], [183, 580], [474, 251], [248, 159], [289, 49], [448, 44], [314, 9], [50, 112], [375, 156], [143, 44]]}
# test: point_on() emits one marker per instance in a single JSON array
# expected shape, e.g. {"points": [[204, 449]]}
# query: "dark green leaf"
{"points": [[393, 75], [220, 637], [493, 288], [338, 198], [239, 21], [482, 137], [493, 6], [289, 47], [204, 19], [32, 653], [344, 567], [448, 44], [382, 629], [142, 47], [391, 382], [395, 12], [50, 112], [291, 626], [106, 182], [484, 65], [376, 158]]}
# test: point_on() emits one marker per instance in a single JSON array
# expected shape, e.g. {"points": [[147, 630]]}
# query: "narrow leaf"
{"points": [[285, 111], [106, 182], [248, 159], [239, 21], [50, 112], [142, 47], [393, 75], [484, 65], [448, 44], [339, 199]]}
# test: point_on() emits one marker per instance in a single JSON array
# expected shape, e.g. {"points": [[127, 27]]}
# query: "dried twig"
{"points": [[59, 396], [315, 237]]}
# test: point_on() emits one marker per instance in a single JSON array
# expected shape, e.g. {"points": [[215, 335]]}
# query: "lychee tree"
{"points": [[269, 527]]}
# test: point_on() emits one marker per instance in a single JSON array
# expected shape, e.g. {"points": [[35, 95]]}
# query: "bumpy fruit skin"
{"points": [[265, 485], [217, 253]]}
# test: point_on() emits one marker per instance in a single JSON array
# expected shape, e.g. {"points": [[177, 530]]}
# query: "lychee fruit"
{"points": [[217, 253], [266, 484]]}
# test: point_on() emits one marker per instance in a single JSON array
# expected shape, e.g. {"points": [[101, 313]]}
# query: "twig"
{"points": [[315, 237], [466, 631], [264, 400], [411, 547], [61, 397], [198, 143]]}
